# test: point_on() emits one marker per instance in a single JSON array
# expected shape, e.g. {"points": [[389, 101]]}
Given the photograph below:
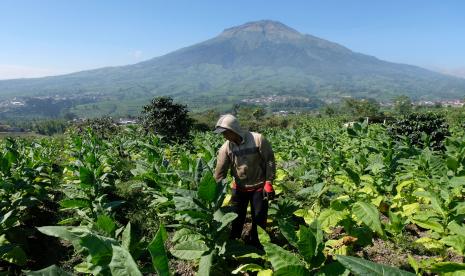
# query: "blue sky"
{"points": [[49, 37]]}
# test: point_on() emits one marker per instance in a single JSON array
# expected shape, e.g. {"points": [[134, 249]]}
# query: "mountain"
{"points": [[252, 60]]}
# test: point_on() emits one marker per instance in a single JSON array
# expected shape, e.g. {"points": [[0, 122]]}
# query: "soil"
{"points": [[396, 253], [384, 252], [393, 254], [181, 267], [246, 230]]}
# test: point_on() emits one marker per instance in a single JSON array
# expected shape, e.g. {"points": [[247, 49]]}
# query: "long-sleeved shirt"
{"points": [[251, 162]]}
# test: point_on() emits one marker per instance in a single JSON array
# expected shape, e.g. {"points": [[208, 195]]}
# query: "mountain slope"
{"points": [[254, 59]]}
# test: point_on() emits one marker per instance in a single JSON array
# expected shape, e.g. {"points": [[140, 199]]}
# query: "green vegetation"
{"points": [[349, 200]]}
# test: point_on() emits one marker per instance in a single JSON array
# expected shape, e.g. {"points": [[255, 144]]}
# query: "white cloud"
{"points": [[8, 71]]}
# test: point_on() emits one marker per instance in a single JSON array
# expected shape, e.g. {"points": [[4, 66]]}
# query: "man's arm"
{"points": [[222, 163], [268, 158]]}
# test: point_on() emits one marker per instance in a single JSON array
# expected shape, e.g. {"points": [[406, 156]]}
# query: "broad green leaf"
{"points": [[262, 235], [403, 184], [369, 215], [185, 234], [452, 163], [337, 247], [99, 248], [226, 220], [127, 238], [122, 263], [83, 268], [429, 243], [69, 233], [250, 256], [330, 218], [239, 250], [5, 217], [340, 203], [205, 264], [247, 267], [307, 243], [75, 203], [457, 229], [195, 216], [457, 181], [459, 209], [377, 200], [457, 242], [315, 228], [396, 224], [208, 188], [189, 250], [288, 231], [429, 224], [360, 266], [52, 270], [410, 209], [448, 267], [413, 263], [307, 215], [333, 269], [14, 255], [279, 257], [437, 206], [294, 270], [158, 252], [106, 224], [267, 272], [86, 176], [353, 175], [185, 203]]}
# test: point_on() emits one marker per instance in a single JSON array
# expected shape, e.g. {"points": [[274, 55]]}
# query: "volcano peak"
{"points": [[265, 27]]}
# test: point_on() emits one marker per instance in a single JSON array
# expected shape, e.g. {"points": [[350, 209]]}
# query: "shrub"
{"points": [[103, 127], [422, 129], [171, 120]]}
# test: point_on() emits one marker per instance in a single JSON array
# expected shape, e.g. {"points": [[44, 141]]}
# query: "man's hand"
{"points": [[268, 191]]}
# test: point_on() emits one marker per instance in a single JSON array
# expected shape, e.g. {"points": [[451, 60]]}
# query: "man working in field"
{"points": [[249, 157]]}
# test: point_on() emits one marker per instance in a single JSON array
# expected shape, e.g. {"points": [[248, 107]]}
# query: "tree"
{"points": [[163, 117], [70, 116], [403, 105], [235, 109], [206, 120], [259, 113], [363, 107], [329, 110]]}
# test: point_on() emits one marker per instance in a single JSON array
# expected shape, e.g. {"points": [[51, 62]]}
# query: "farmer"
{"points": [[249, 157]]}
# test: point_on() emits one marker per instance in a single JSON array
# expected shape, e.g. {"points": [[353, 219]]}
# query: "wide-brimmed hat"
{"points": [[220, 130]]}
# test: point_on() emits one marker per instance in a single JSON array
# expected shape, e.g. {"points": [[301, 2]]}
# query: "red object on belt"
{"points": [[268, 187]]}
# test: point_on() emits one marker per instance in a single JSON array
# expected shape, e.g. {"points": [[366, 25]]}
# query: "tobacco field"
{"points": [[350, 201]]}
